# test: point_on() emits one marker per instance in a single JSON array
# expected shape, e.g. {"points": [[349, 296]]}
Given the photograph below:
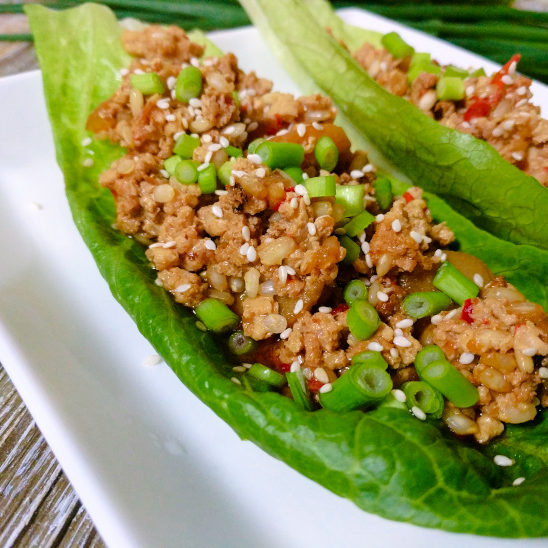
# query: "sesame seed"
{"points": [[521, 103], [214, 147], [260, 172], [451, 314], [163, 103], [438, 253], [239, 369], [356, 174], [497, 132], [426, 239], [478, 280], [529, 351], [170, 117], [208, 156], [231, 180], [301, 190], [217, 211], [171, 81], [194, 62], [382, 296], [86, 142], [402, 341], [283, 132], [379, 217], [417, 236], [177, 134], [466, 358], [210, 244], [164, 173], [507, 79], [543, 372], [368, 260], [290, 270], [396, 225], [522, 90], [394, 353], [325, 388], [398, 332], [138, 71], [307, 373], [317, 125], [298, 306], [285, 333], [124, 71], [365, 247], [244, 248], [399, 395], [403, 324], [368, 168], [247, 365], [224, 142], [508, 125], [305, 176], [443, 257], [374, 346], [418, 412], [182, 288], [88, 162], [195, 102], [251, 254], [238, 173], [158, 282], [361, 237], [518, 156], [518, 481], [246, 233], [221, 192], [301, 130], [235, 380], [253, 126], [201, 167], [294, 203], [165, 245], [328, 309], [321, 375], [502, 460], [470, 90], [282, 274], [255, 158], [311, 228], [295, 366], [174, 96], [153, 359]]}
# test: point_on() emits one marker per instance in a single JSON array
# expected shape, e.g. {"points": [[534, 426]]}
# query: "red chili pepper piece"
{"points": [[314, 385], [467, 309], [497, 77], [340, 308], [285, 367], [408, 196], [289, 189], [479, 108]]}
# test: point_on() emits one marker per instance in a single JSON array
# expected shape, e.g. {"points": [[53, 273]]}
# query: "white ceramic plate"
{"points": [[152, 464]]}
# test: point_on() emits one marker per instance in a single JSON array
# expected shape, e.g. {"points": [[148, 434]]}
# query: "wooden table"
{"points": [[38, 507]]}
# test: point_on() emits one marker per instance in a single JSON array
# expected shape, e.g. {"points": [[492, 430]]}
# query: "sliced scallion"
{"points": [[326, 153], [371, 358], [352, 249], [148, 83], [185, 145], [170, 164], [188, 84], [358, 223], [252, 147], [454, 283], [458, 72], [354, 290], [295, 172], [186, 171], [351, 197], [362, 319], [361, 385], [427, 355], [396, 45], [241, 344], [425, 303], [280, 155], [216, 315], [207, 179], [266, 374], [383, 193], [450, 88], [322, 186], [234, 152], [224, 173], [425, 397], [297, 385]]}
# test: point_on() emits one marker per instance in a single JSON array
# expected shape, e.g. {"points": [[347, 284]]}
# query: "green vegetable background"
{"points": [[386, 461]]}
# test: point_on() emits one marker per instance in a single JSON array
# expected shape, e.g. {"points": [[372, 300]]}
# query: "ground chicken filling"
{"points": [[497, 109], [262, 246]]}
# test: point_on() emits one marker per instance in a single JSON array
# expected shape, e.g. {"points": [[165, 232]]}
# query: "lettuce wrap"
{"points": [[386, 461], [454, 165]]}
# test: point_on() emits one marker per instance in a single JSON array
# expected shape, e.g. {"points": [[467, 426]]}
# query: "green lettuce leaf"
{"points": [[386, 461], [469, 173]]}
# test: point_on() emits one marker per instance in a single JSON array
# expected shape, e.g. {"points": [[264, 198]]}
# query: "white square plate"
{"points": [[152, 464]]}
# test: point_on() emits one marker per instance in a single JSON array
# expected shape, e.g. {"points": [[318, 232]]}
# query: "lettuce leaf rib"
{"points": [[386, 461]]}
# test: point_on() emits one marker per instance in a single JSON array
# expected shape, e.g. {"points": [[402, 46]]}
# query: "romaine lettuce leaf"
{"points": [[469, 173], [386, 461]]}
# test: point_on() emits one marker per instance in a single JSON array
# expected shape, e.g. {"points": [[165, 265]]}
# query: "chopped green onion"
{"points": [[427, 355], [457, 72], [266, 374], [224, 173], [351, 197], [371, 358], [254, 145], [358, 223], [354, 290], [362, 319], [185, 145], [236, 98], [361, 385], [450, 88], [326, 153], [295, 172], [299, 390], [234, 152], [207, 179], [240, 344], [392, 401], [420, 58], [451, 383], [148, 83], [188, 84], [255, 385], [396, 45], [383, 192], [352, 249], [171, 163], [318, 187], [425, 397], [216, 315], [274, 154], [425, 303], [186, 172], [454, 283], [477, 73], [417, 69]]}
